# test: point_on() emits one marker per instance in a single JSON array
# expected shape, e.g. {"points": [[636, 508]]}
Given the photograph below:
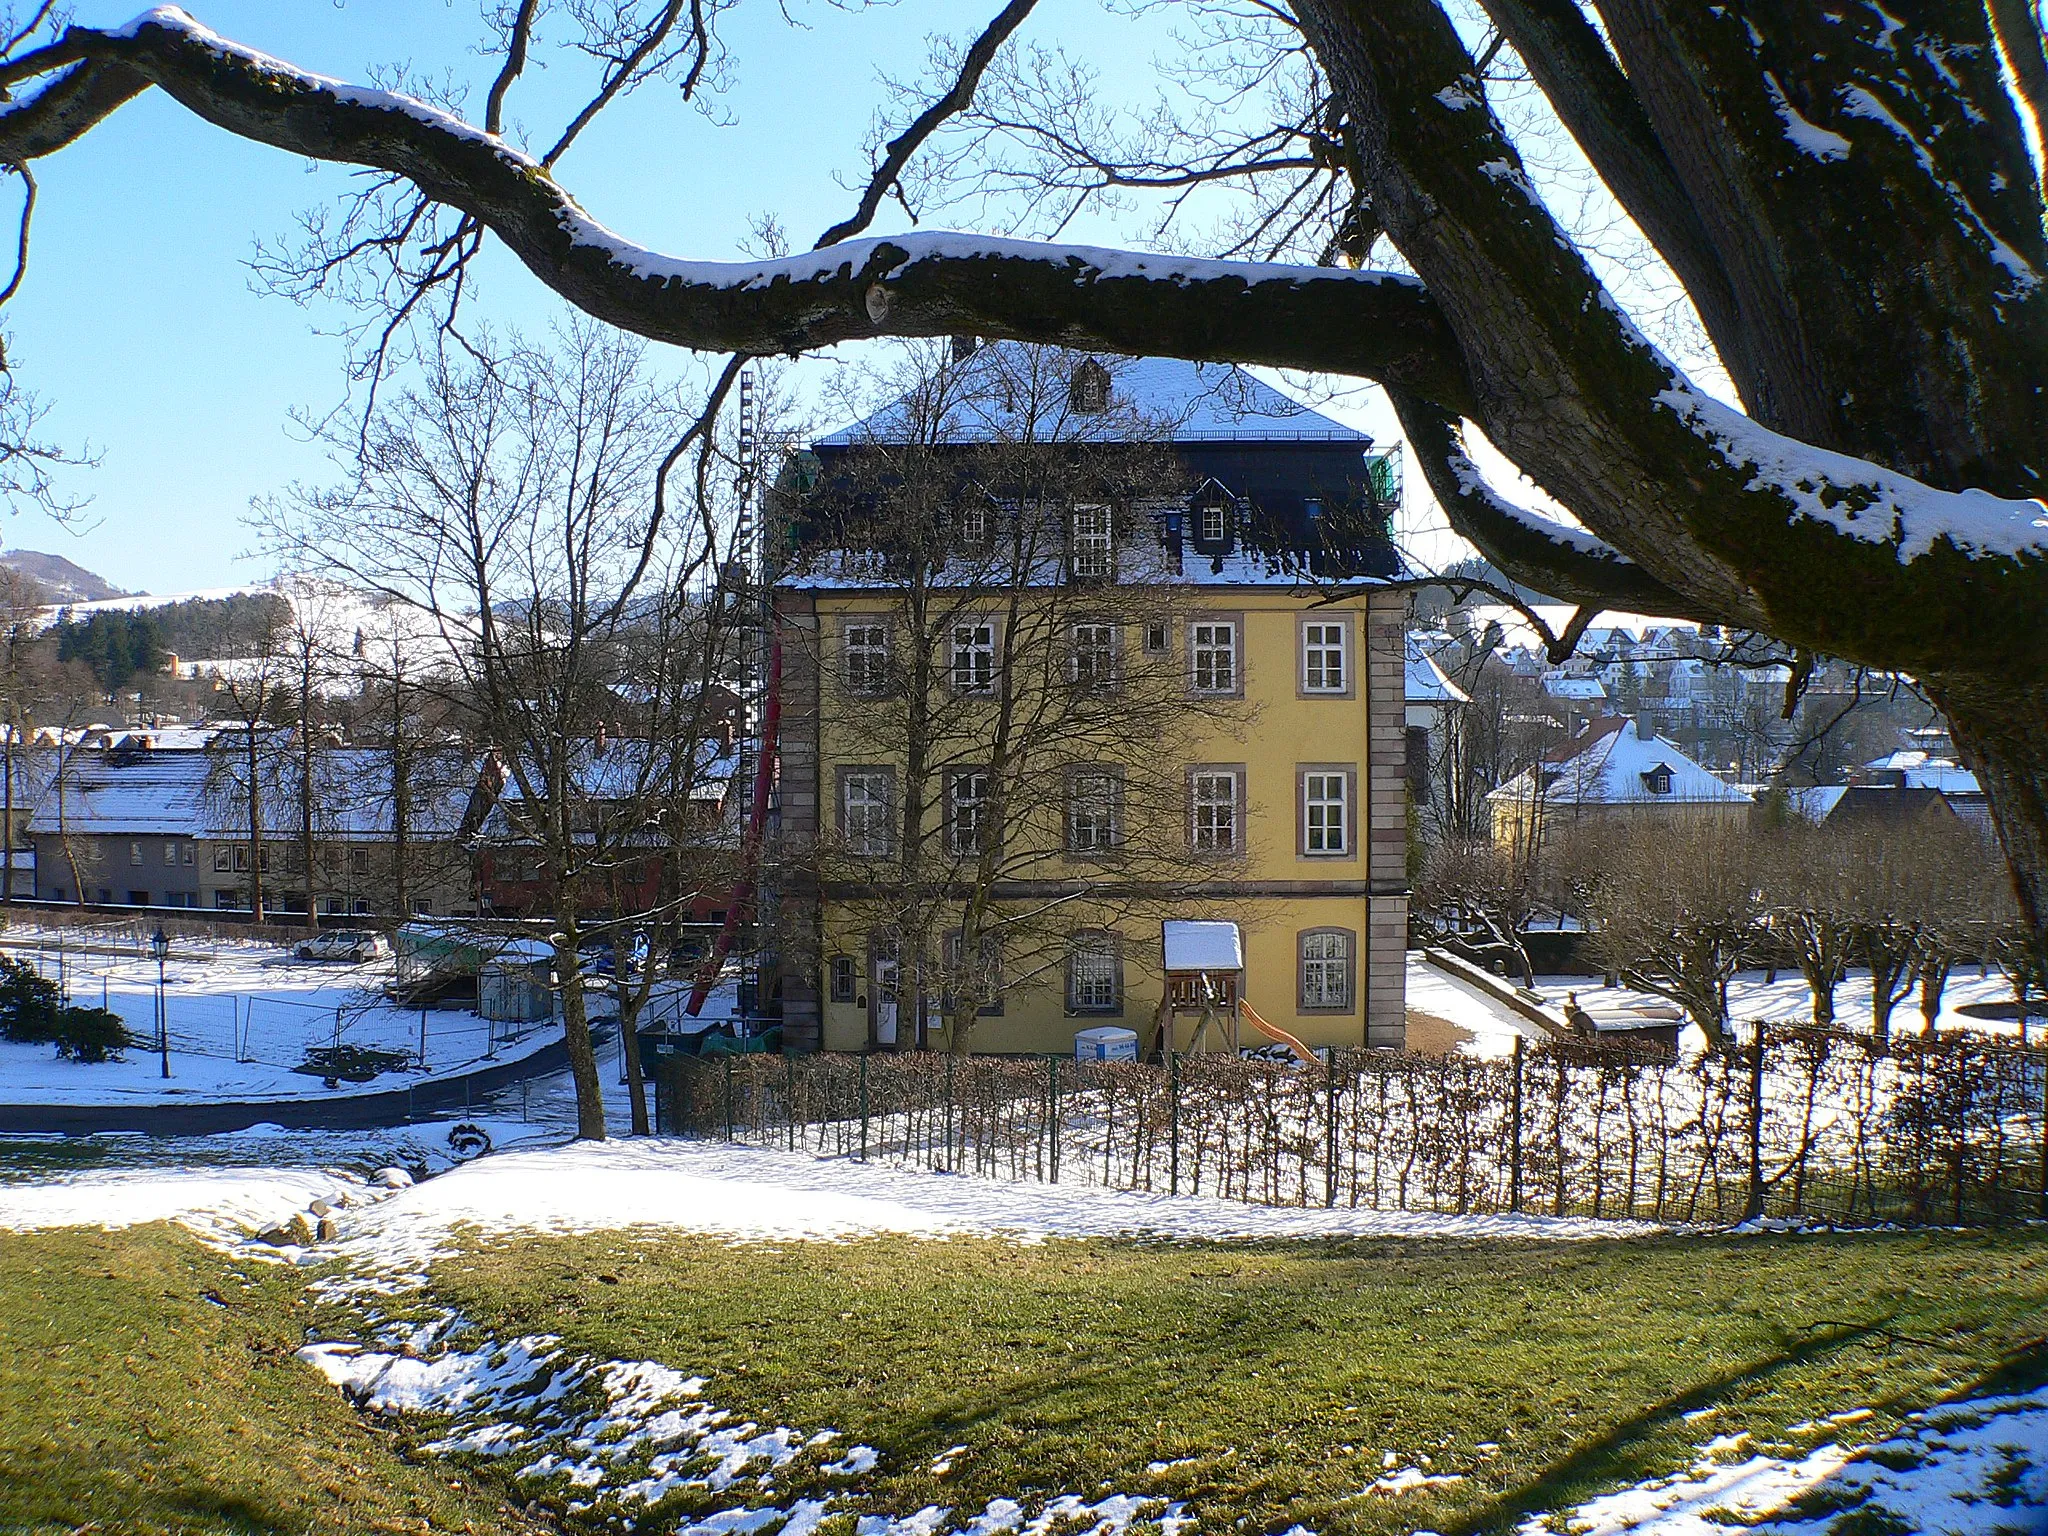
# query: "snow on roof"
{"points": [[1178, 401], [1926, 770], [1574, 688], [1427, 682], [1201, 946], [1815, 804], [1610, 764], [187, 793], [143, 794]]}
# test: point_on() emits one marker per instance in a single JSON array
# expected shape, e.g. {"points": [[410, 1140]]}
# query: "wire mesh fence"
{"points": [[1805, 1123]]}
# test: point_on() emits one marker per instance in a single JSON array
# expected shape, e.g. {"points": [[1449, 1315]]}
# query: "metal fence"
{"points": [[1800, 1122]]}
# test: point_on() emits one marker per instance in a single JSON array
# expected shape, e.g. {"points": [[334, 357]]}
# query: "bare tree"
{"points": [[520, 505], [20, 602], [1677, 907], [1806, 872]]}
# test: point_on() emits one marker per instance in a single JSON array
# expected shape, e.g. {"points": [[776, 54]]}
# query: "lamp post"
{"points": [[160, 946]]}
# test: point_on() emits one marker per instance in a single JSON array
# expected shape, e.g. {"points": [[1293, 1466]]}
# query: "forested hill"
{"points": [[118, 643]]}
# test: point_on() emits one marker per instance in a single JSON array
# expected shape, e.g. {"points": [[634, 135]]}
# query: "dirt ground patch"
{"points": [[1435, 1036]]}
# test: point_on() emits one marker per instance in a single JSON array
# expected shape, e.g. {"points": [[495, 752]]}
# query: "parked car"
{"points": [[354, 945]]}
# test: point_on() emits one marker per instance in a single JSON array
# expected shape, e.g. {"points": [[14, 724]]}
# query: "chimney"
{"points": [[726, 736], [601, 745], [965, 347]]}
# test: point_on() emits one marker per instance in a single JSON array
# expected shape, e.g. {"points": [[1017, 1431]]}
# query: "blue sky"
{"points": [[140, 326]]}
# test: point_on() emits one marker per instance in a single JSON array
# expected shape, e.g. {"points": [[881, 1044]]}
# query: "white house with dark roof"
{"points": [[1608, 770]]}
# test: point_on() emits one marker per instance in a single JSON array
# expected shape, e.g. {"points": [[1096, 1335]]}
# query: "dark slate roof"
{"points": [[1185, 402]]}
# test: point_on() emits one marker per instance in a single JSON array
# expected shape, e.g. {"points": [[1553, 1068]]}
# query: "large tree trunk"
{"points": [[2000, 727]]}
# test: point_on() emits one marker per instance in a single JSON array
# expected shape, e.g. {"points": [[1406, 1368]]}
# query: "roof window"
{"points": [[1089, 390]]}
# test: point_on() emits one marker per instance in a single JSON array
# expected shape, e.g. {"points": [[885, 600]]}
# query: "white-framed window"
{"points": [[845, 978], [1326, 968], [1094, 974], [974, 656], [185, 852], [1326, 811], [1094, 543], [1156, 639], [974, 525], [867, 658], [1094, 810], [171, 851], [135, 853], [1212, 522], [224, 859], [1212, 655], [1214, 793], [966, 810], [1325, 662], [865, 797], [1091, 655]]}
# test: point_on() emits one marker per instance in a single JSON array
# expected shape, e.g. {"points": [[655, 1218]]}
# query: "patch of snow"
{"points": [[756, 1194], [217, 1203], [1856, 497], [1408, 1479], [1971, 1468], [1806, 135]]}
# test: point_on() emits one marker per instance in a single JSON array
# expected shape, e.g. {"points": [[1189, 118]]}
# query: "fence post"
{"points": [[2044, 1133], [1754, 1206], [1052, 1114], [950, 1058], [728, 1098], [1515, 1132], [1330, 1132], [1173, 1121], [789, 1095], [863, 1106], [423, 1035]]}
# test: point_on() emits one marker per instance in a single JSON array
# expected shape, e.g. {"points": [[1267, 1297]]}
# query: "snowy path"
{"points": [[1493, 1025]]}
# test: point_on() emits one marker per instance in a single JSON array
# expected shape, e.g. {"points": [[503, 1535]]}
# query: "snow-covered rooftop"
{"points": [[1164, 398], [1202, 946], [1611, 764], [1427, 682]]}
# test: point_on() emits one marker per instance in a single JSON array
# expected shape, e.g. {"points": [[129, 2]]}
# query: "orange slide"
{"points": [[1275, 1032]]}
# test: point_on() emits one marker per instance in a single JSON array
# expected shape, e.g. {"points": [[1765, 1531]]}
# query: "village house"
{"points": [[159, 818], [1607, 772], [1247, 577]]}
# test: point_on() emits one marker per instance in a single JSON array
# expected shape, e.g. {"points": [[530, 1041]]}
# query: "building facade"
{"points": [[1070, 721]]}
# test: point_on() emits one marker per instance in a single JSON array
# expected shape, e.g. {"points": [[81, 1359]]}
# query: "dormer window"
{"points": [[1093, 544], [973, 525], [1657, 780], [1209, 518], [1089, 391]]}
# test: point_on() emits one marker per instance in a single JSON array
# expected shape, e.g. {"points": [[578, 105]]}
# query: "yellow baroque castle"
{"points": [[1079, 659]]}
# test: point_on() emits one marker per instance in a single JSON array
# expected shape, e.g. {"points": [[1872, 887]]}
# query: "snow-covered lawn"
{"points": [[242, 1017], [1752, 996]]}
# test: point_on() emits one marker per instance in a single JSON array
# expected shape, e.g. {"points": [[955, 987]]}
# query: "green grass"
{"points": [[131, 1402], [1279, 1374], [1286, 1371]]}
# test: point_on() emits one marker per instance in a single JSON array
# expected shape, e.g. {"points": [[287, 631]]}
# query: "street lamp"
{"points": [[160, 946]]}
